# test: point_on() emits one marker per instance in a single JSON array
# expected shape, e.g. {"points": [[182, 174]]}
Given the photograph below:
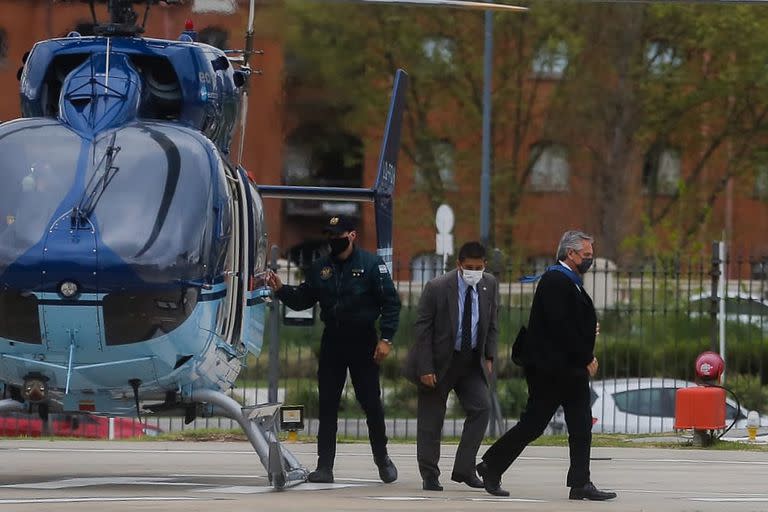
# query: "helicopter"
{"points": [[132, 248]]}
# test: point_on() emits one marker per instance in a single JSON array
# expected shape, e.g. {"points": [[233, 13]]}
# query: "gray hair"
{"points": [[572, 240]]}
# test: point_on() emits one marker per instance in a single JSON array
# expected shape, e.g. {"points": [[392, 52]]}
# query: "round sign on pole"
{"points": [[444, 219]]}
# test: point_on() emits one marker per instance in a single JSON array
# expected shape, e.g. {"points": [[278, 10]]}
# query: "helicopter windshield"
{"points": [[37, 170], [154, 206]]}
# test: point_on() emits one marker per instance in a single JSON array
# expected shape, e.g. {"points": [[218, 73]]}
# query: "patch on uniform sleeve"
{"points": [[383, 269], [326, 273]]}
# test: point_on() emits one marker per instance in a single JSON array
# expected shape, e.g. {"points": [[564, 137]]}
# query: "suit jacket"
{"points": [[561, 327], [437, 325]]}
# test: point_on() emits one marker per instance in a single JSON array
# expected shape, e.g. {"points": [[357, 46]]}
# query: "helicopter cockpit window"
{"points": [[157, 207], [259, 232], [156, 214], [35, 179]]}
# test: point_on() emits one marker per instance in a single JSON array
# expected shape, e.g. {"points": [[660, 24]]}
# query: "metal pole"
{"points": [[713, 306], [485, 180], [274, 335], [723, 293]]}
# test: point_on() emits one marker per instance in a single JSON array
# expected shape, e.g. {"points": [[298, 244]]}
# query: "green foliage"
{"points": [[690, 77], [512, 394], [751, 392]]}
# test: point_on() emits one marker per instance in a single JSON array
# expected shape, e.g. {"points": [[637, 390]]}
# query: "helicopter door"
{"points": [[256, 291], [230, 320]]}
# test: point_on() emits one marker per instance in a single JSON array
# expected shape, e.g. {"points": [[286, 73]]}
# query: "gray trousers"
{"points": [[464, 376]]}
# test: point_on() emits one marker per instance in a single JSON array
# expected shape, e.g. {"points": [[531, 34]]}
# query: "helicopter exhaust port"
{"points": [[35, 388]]}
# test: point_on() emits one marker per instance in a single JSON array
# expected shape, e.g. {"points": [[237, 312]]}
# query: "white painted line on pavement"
{"points": [[503, 500], [22, 501], [692, 493], [732, 500], [251, 489], [136, 450], [213, 475], [399, 498], [69, 483]]}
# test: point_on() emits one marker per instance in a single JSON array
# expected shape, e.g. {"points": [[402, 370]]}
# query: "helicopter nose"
{"points": [[70, 287]]}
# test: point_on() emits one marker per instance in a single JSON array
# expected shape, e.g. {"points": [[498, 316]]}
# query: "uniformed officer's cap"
{"points": [[339, 224]]}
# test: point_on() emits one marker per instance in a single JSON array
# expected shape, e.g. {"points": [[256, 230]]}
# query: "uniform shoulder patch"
{"points": [[383, 269], [326, 273]]}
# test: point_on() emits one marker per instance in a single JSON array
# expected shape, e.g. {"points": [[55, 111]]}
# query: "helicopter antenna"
{"points": [[146, 14], [245, 68], [93, 12]]}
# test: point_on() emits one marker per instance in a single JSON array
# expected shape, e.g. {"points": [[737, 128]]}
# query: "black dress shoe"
{"points": [[491, 482], [321, 476], [387, 470], [590, 492], [470, 480], [431, 484]]}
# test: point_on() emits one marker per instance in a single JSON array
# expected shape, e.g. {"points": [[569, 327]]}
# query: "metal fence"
{"points": [[655, 319]]}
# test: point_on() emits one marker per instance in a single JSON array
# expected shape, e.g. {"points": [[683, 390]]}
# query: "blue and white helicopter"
{"points": [[132, 250]]}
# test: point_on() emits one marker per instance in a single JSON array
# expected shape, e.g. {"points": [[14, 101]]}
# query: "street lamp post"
{"points": [[485, 179]]}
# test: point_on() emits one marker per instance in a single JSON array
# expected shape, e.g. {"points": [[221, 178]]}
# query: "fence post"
{"points": [[274, 334], [497, 419], [713, 303]]}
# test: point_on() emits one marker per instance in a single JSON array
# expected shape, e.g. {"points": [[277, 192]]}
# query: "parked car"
{"points": [[73, 425], [740, 307], [646, 405]]}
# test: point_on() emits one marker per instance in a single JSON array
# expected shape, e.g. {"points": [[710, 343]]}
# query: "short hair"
{"points": [[471, 250], [572, 240]]}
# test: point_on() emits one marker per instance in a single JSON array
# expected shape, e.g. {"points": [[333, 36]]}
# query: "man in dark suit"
{"points": [[454, 350], [558, 357]]}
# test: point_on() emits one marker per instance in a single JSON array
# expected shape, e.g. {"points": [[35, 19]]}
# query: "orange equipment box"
{"points": [[700, 408]]}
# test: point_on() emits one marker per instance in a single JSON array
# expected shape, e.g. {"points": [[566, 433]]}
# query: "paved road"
{"points": [[71, 475]]}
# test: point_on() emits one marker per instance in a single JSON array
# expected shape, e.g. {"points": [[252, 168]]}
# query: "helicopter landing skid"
{"points": [[260, 426]]}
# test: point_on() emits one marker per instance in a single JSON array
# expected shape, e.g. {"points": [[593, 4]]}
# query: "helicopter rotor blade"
{"points": [[460, 4]]}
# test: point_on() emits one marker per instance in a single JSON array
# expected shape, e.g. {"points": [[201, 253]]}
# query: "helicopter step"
{"points": [[260, 426]]}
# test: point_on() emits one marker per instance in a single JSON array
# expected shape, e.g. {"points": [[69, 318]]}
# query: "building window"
{"points": [[3, 45], [551, 60], [550, 171], [425, 267], [761, 182], [759, 269], [222, 6], [539, 264], [662, 57], [661, 171], [439, 49], [214, 36], [443, 153]]}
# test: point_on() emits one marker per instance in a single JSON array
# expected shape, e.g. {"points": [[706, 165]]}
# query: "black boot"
{"points": [[321, 475], [387, 470], [491, 482], [590, 492]]}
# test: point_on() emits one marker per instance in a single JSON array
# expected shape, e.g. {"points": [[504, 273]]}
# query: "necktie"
{"points": [[466, 322]]}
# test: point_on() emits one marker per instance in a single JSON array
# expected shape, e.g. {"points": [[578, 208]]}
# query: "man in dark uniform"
{"points": [[354, 289], [558, 357]]}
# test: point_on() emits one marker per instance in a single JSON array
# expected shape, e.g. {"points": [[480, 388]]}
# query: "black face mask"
{"points": [[584, 265], [338, 245]]}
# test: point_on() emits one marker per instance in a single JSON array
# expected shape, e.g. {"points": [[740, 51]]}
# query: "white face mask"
{"points": [[471, 277]]}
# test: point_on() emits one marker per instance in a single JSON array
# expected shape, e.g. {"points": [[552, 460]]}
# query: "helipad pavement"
{"points": [[70, 475]]}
